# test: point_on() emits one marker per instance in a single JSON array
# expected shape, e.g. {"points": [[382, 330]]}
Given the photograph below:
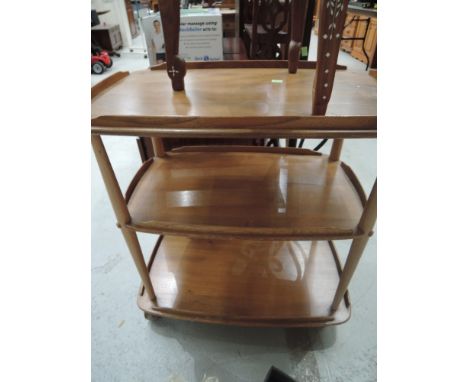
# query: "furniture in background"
{"points": [[360, 34], [246, 233], [153, 4], [108, 37], [229, 22], [234, 49], [265, 28], [131, 18]]}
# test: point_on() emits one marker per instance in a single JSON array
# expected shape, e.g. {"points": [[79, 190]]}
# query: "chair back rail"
{"points": [[332, 17]]}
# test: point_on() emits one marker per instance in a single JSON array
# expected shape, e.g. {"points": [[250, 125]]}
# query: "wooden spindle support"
{"points": [[298, 11], [158, 147], [332, 17], [170, 18], [121, 212], [358, 245]]}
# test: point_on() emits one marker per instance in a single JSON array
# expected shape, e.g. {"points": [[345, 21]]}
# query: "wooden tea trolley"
{"points": [[246, 232]]}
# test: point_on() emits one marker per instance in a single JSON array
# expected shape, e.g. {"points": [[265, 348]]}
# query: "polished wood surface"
{"points": [[243, 149], [237, 127], [245, 194], [231, 92], [108, 82], [245, 282], [258, 198]]}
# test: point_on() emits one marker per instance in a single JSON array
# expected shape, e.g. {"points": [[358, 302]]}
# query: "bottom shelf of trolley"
{"points": [[245, 282]]}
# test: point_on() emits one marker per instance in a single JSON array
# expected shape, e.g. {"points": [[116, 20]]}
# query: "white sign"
{"points": [[200, 38]]}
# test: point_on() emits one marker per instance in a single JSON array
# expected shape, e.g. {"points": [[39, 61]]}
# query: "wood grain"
{"points": [[223, 93], [108, 82], [238, 127], [245, 282], [244, 149], [120, 209], [245, 195], [358, 245]]}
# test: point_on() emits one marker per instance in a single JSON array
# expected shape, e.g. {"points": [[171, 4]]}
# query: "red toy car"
{"points": [[100, 60]]}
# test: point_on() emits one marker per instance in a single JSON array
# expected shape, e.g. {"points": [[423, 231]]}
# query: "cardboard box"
{"points": [[200, 38]]}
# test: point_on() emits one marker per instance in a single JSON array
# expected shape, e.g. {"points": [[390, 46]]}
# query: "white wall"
{"points": [[117, 15]]}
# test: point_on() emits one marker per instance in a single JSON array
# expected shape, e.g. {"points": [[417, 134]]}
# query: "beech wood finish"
{"points": [[256, 195], [121, 212], [108, 82], [251, 283], [245, 194], [212, 127], [223, 93], [357, 247]]}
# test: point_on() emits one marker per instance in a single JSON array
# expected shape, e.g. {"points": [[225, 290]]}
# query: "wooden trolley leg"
{"points": [[336, 150], [134, 246], [121, 212], [158, 147], [357, 247]]}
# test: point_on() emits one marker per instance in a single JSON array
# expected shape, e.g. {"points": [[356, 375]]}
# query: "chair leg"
{"points": [[336, 149], [158, 147]]}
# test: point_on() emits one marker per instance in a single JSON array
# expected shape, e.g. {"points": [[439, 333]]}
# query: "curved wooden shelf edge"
{"points": [[245, 149], [245, 64], [137, 178], [258, 233], [240, 233], [355, 181], [107, 83], [273, 323]]}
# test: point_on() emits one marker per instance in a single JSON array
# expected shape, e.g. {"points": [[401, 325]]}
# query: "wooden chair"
{"points": [[266, 30], [231, 219]]}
